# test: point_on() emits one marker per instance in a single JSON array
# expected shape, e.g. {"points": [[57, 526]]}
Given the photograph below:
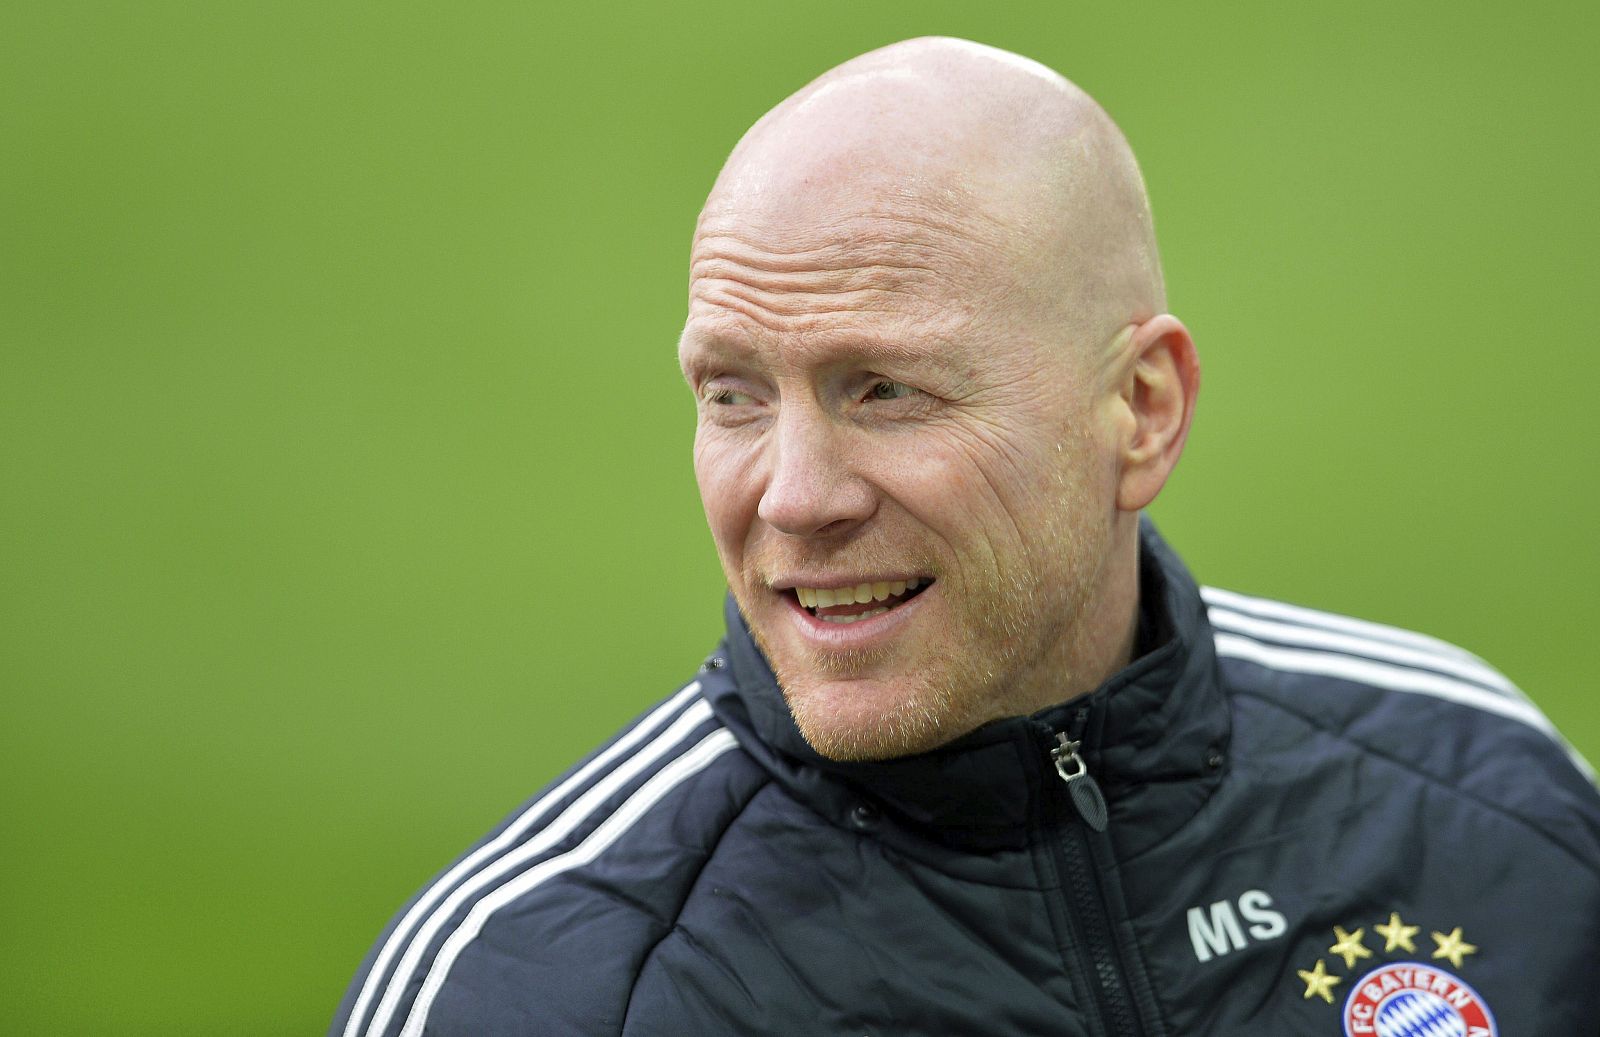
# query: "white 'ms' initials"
{"points": [[1216, 930]]}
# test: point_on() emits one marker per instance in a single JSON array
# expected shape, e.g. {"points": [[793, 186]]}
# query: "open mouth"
{"points": [[863, 601]]}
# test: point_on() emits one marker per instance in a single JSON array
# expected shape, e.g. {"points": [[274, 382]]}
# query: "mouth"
{"points": [[853, 604]]}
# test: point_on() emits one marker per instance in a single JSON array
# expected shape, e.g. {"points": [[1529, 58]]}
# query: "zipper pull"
{"points": [[1086, 794]]}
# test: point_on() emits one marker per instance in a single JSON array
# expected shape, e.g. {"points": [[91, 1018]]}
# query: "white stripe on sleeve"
{"points": [[1354, 644], [513, 832], [1396, 678], [651, 792], [1268, 609]]}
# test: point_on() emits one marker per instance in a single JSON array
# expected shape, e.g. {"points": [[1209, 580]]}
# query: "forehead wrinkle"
{"points": [[884, 349], [788, 311], [805, 276], [819, 272], [846, 257], [857, 230]]}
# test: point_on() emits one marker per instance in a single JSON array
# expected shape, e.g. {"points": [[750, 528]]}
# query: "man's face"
{"points": [[885, 413]]}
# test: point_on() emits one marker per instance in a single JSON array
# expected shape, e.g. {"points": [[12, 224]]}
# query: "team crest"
{"points": [[1399, 998], [1404, 999]]}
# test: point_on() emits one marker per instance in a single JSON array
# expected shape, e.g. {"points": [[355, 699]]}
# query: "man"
{"points": [[976, 756]]}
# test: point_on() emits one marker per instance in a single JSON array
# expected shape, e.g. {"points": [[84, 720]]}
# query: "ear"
{"points": [[1160, 379]]}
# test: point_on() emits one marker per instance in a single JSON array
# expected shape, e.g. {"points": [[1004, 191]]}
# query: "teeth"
{"points": [[860, 594], [854, 619]]}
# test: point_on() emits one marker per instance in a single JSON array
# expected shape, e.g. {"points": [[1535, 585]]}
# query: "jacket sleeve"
{"points": [[543, 926]]}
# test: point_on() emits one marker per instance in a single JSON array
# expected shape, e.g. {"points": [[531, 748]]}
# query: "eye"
{"points": [[728, 397], [887, 390]]}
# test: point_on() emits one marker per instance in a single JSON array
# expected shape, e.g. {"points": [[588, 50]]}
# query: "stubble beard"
{"points": [[913, 722], [1014, 640]]}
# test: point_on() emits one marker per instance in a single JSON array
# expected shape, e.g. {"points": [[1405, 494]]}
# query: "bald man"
{"points": [[976, 755]]}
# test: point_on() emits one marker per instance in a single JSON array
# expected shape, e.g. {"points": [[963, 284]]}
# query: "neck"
{"points": [[1108, 631]]}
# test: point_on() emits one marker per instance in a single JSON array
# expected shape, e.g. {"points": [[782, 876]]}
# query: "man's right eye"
{"points": [[728, 397]]}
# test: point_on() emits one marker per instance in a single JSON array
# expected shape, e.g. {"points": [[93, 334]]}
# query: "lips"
{"points": [[850, 603]]}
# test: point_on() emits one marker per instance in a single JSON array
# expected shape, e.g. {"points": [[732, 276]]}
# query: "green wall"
{"points": [[344, 470]]}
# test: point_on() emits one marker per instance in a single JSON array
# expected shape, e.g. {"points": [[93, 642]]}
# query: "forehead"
{"points": [[905, 288]]}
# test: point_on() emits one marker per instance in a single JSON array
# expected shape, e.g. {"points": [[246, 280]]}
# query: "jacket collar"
{"points": [[1155, 736]]}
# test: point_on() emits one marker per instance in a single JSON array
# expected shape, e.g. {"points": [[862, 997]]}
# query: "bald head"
{"points": [[968, 148]]}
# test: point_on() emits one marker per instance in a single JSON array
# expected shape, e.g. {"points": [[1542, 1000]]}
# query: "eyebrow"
{"points": [[704, 348]]}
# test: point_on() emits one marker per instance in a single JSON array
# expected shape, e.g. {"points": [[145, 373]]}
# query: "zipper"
{"points": [[1085, 791], [1086, 893]]}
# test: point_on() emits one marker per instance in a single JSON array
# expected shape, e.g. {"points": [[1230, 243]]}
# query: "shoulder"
{"points": [[550, 916], [1422, 703]]}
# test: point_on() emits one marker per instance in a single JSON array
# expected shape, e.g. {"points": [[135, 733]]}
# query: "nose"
{"points": [[811, 489]]}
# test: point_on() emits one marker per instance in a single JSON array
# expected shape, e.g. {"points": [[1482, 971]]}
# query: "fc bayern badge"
{"points": [[1405, 999]]}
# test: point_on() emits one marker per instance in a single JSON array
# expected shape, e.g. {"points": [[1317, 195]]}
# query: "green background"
{"points": [[344, 469]]}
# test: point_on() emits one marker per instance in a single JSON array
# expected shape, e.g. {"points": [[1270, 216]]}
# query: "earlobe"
{"points": [[1160, 393]]}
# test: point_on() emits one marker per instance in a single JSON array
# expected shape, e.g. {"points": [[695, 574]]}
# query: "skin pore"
{"points": [[927, 343]]}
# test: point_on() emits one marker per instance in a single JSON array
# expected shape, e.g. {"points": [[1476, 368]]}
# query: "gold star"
{"points": [[1397, 934], [1318, 982], [1349, 946], [1453, 946]]}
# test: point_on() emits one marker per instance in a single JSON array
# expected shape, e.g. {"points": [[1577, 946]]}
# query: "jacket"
{"points": [[1275, 821]]}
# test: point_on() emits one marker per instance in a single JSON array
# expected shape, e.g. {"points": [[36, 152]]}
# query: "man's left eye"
{"points": [[886, 390]]}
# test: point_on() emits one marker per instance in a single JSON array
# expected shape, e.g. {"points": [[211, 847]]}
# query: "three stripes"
{"points": [[507, 867], [1301, 640], [484, 873]]}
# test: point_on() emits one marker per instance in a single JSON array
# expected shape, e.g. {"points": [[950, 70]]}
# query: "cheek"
{"points": [[948, 494], [969, 486], [729, 490]]}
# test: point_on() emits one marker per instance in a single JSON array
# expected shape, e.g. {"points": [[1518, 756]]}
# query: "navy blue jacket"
{"points": [[1274, 822]]}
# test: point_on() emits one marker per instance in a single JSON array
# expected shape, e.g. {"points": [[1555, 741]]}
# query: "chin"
{"points": [[867, 719], [889, 697]]}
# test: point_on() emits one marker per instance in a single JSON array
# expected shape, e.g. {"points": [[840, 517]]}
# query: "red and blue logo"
{"points": [[1405, 999]]}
